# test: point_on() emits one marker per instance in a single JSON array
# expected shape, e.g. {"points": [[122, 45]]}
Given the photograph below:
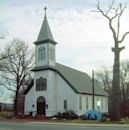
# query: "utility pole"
{"points": [[93, 91]]}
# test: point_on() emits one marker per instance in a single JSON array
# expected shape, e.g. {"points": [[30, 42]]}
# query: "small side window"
{"points": [[65, 104]]}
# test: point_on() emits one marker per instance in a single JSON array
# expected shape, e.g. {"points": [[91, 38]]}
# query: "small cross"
{"points": [[45, 10]]}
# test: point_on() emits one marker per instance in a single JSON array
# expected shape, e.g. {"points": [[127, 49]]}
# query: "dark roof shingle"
{"points": [[81, 82]]}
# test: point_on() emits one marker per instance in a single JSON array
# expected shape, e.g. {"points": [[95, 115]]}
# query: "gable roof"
{"points": [[79, 81]]}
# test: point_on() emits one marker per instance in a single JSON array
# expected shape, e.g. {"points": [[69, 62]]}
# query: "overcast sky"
{"points": [[84, 39]]}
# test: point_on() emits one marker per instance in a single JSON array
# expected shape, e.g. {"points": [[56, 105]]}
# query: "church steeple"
{"points": [[45, 46], [45, 34]]}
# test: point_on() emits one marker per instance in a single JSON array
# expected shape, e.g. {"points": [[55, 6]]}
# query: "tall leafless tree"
{"points": [[113, 15], [15, 67]]}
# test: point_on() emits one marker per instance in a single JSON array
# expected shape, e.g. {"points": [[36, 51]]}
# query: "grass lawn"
{"points": [[8, 115], [123, 121]]}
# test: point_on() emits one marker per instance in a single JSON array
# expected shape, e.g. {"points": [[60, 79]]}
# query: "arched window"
{"points": [[37, 84], [41, 53], [41, 84]]}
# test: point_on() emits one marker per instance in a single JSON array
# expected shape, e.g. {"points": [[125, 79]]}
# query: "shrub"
{"points": [[69, 115], [30, 113], [83, 117], [103, 119], [6, 115]]}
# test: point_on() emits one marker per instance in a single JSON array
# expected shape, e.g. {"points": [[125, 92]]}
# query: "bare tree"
{"points": [[15, 67], [2, 56], [124, 76], [105, 77], [113, 15]]}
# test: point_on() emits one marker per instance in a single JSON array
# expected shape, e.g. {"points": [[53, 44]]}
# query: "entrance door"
{"points": [[41, 106]]}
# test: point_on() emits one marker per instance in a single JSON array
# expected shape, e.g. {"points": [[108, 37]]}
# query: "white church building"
{"points": [[59, 88]]}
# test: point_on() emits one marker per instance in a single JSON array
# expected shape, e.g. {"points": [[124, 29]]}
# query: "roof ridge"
{"points": [[74, 69]]}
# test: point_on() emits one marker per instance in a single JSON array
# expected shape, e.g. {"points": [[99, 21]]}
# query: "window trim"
{"points": [[41, 84], [41, 53]]}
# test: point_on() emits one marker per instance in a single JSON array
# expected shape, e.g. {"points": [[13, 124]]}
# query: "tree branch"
{"points": [[109, 19], [7, 87], [122, 39], [110, 7], [118, 24]]}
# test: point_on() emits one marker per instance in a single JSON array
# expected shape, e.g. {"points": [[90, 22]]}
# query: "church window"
{"points": [[106, 103], [41, 84], [102, 103], [41, 54], [87, 102], [37, 84], [52, 55], [80, 103], [65, 104]]}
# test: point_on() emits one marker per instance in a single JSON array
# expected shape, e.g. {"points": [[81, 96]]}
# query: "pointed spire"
{"points": [[45, 32], [45, 10]]}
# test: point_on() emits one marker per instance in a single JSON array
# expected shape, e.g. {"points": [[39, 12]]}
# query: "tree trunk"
{"points": [[115, 94], [16, 104]]}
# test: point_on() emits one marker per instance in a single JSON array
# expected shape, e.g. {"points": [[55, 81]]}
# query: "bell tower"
{"points": [[45, 45]]}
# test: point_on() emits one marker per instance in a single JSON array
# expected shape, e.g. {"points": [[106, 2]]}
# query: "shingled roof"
{"points": [[45, 34], [79, 81]]}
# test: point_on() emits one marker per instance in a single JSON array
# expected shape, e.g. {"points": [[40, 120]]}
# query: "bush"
{"points": [[69, 115], [30, 113], [124, 109], [6, 115], [106, 115], [103, 119], [83, 117]]}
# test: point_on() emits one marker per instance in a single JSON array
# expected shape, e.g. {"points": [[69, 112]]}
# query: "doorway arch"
{"points": [[41, 106]]}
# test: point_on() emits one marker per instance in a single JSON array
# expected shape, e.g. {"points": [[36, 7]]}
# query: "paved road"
{"points": [[42, 126]]}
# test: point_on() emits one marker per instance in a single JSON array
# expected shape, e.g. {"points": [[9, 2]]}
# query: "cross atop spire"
{"points": [[45, 10], [45, 31]]}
